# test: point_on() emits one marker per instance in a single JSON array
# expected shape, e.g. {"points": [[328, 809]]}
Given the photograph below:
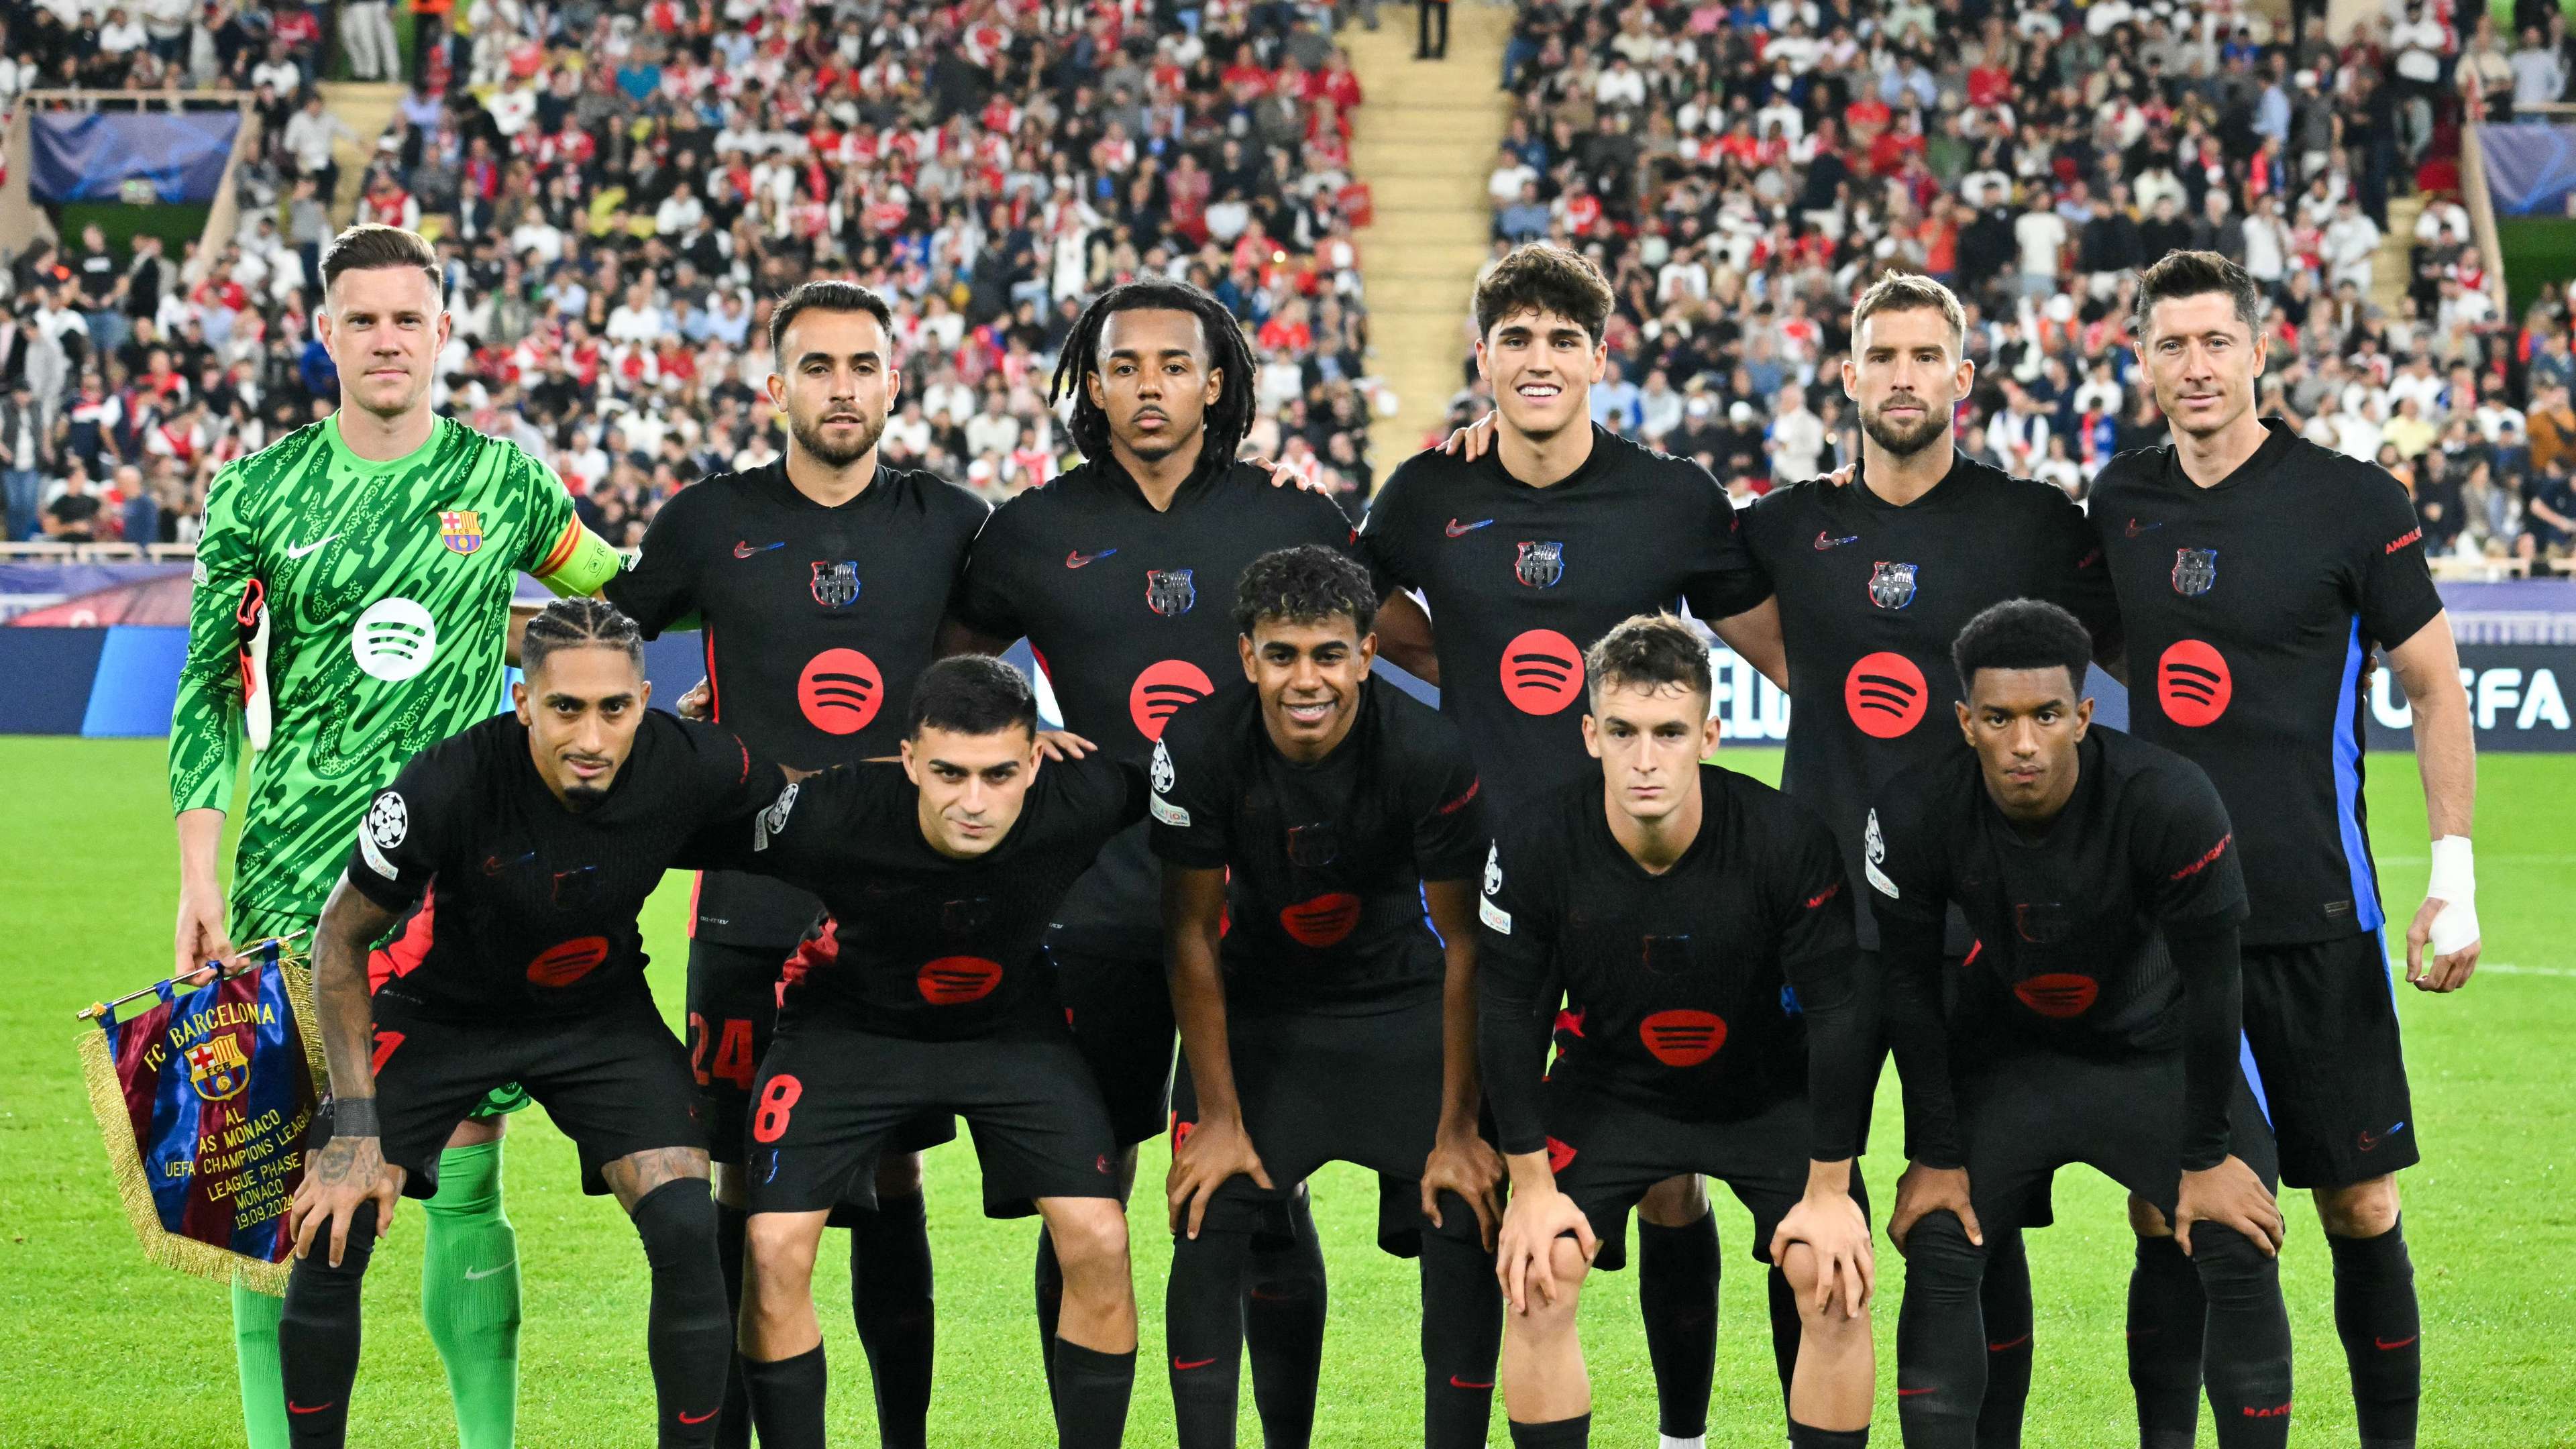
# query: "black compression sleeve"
{"points": [[1909, 956], [1511, 1047], [2210, 962], [1841, 1030]]}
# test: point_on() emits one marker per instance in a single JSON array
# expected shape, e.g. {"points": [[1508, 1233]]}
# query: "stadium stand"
{"points": [[618, 189]]}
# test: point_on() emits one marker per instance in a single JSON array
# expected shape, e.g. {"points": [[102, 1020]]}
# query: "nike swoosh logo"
{"points": [[2135, 528], [1910, 1393], [1823, 543], [299, 552], [1191, 1364], [1078, 558], [1456, 1382], [745, 550], [293, 1407], [473, 1277], [1461, 530], [697, 1418], [2385, 1346]]}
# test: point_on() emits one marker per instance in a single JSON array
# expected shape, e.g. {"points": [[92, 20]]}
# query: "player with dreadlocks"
{"points": [[1103, 571]]}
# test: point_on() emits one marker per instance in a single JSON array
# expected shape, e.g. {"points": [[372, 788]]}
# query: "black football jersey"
{"points": [[1130, 611], [1325, 861], [1872, 594], [1683, 988], [1522, 580], [2249, 608], [515, 906], [919, 944], [816, 621]]}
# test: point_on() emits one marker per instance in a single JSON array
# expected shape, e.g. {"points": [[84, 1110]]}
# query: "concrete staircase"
{"points": [[2389, 272], [1424, 140], [367, 107]]}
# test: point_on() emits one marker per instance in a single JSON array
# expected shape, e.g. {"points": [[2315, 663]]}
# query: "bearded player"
{"points": [[352, 607]]}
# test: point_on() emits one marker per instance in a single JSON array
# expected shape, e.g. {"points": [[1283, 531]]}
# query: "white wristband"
{"points": [[2454, 882]]}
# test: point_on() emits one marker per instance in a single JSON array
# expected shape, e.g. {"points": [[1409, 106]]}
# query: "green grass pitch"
{"points": [[99, 1349]]}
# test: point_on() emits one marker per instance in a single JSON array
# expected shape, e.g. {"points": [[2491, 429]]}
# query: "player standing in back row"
{"points": [[1526, 555], [2256, 571], [352, 606], [1117, 572], [818, 584]]}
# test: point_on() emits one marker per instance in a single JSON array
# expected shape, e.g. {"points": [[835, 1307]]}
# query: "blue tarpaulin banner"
{"points": [[2531, 169], [90, 157]]}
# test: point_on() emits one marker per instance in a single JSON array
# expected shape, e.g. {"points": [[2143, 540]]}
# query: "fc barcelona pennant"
{"points": [[203, 1099]]}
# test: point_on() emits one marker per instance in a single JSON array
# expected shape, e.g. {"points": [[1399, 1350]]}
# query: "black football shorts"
{"points": [[1120, 1010], [733, 1014], [2322, 1020], [613, 1078]]}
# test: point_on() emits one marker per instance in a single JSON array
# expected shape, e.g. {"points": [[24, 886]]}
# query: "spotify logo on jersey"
{"points": [[395, 639], [1542, 671], [1163, 687], [1884, 695], [1682, 1038], [840, 691], [2192, 683]]}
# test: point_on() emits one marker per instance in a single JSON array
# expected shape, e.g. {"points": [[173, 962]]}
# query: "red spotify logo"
{"points": [[2192, 683], [1682, 1038], [840, 691], [954, 980], [1884, 695], [1323, 921], [1542, 671], [567, 963], [1164, 687], [2059, 995]]}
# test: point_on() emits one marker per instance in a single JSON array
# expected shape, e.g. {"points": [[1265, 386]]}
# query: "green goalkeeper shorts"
{"points": [[250, 927]]}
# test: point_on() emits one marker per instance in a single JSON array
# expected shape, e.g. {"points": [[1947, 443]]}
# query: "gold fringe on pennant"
{"points": [[125, 1157]]}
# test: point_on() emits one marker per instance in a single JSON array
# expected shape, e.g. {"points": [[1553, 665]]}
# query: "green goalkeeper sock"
{"points": [[263, 1386], [469, 1294]]}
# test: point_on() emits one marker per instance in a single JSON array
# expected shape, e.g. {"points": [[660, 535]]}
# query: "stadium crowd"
{"points": [[617, 191], [1742, 171]]}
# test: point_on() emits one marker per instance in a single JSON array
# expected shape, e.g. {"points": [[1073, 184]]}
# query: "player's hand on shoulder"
{"points": [[698, 704], [1308, 475], [1834, 1228], [1921, 1191], [1063, 745], [347, 1172], [2232, 1196], [1467, 1165], [1841, 477], [1471, 441], [1216, 1149], [1536, 1218]]}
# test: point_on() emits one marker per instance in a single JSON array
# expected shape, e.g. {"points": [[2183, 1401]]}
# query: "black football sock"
{"points": [[317, 1335], [687, 1336], [1050, 1287], [787, 1400], [2248, 1340], [1284, 1304], [2166, 1313], [1574, 1433], [1462, 1335], [1803, 1436], [2004, 1295], [2383, 1334], [890, 1297], [1785, 1331], [1091, 1393], [1940, 1344], [1203, 1332], [733, 1423], [1677, 1296]]}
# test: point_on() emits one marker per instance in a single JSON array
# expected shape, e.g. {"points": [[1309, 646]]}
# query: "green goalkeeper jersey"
{"points": [[388, 588]]}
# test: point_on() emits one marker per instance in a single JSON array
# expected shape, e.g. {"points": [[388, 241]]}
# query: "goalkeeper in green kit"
{"points": [[352, 607]]}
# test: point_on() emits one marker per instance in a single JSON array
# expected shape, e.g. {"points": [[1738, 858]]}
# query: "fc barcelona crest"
{"points": [[1539, 565], [1170, 592], [2195, 571], [217, 1068], [836, 585], [1891, 585], [966, 917], [461, 529]]}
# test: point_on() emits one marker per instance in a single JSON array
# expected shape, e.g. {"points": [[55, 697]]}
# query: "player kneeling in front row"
{"points": [[2097, 1022], [1699, 924], [508, 864], [925, 994], [1319, 810]]}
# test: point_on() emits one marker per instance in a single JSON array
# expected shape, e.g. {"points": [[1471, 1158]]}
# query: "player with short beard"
{"points": [[818, 583]]}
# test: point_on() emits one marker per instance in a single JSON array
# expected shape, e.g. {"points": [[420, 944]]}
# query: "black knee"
{"points": [[677, 1222], [1941, 1261], [2230, 1267], [315, 1280]]}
